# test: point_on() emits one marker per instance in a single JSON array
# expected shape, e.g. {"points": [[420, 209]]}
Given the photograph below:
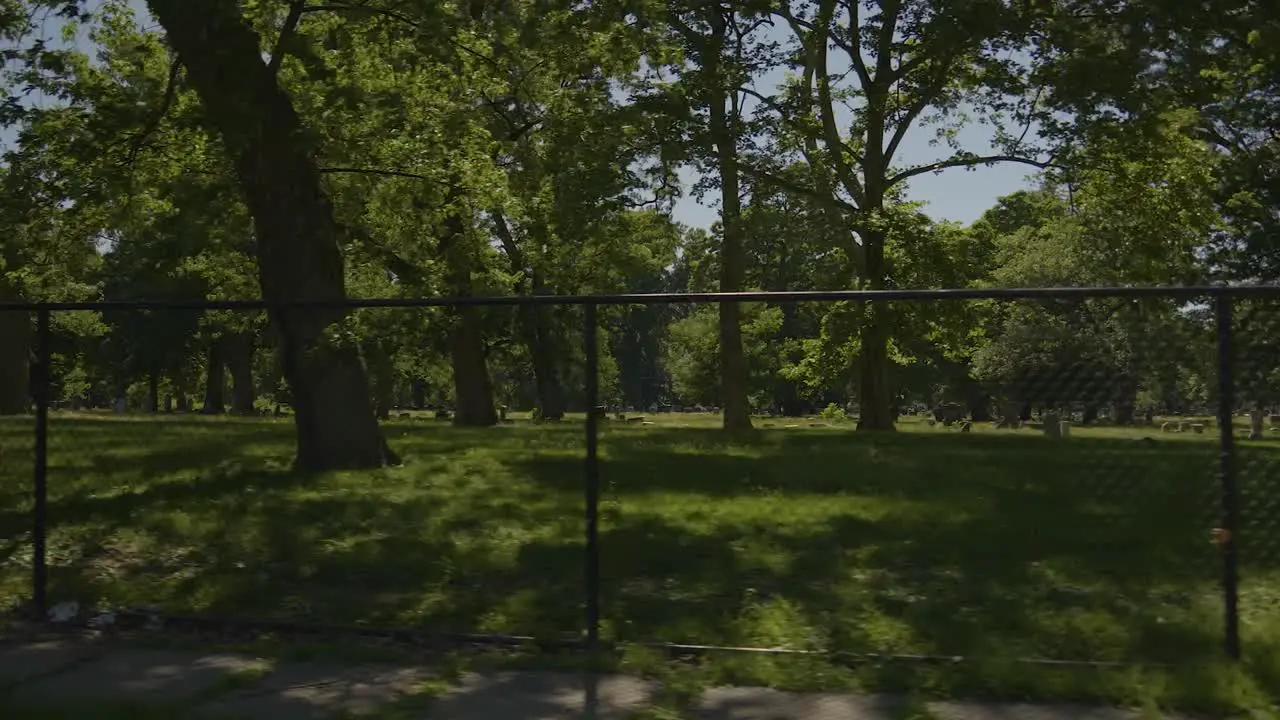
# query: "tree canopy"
{"points": [[214, 149]]}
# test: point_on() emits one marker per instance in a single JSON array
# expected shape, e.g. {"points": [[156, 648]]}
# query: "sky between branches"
{"points": [[956, 194]]}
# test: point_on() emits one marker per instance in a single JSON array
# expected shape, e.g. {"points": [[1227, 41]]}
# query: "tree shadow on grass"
{"points": [[991, 547], [127, 498], [1097, 550]]}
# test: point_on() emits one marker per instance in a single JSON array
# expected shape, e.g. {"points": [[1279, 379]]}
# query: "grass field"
{"points": [[994, 545]]}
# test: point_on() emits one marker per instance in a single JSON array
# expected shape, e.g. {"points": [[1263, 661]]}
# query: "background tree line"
{"points": [[404, 148]]}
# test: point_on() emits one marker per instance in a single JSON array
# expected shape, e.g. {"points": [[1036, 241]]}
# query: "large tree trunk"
{"points": [[979, 406], [1090, 415], [214, 381], [294, 224], [239, 357], [1125, 411], [537, 328], [875, 398], [15, 357], [724, 133], [472, 386], [418, 392], [153, 392], [542, 345], [383, 374]]}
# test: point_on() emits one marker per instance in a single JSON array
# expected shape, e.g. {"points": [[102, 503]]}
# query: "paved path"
{"points": [[85, 679]]}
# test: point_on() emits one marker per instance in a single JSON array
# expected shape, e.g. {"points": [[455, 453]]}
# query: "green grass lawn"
{"points": [[994, 545]]}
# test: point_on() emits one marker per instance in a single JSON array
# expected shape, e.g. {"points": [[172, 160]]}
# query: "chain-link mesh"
{"points": [[1052, 489], [1045, 497], [17, 464], [183, 496], [1256, 372]]}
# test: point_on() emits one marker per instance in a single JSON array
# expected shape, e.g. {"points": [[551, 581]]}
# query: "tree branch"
{"points": [[170, 92], [928, 94], [405, 270], [663, 187], [826, 109], [296, 8], [890, 12], [967, 162], [797, 188], [382, 173], [854, 48]]}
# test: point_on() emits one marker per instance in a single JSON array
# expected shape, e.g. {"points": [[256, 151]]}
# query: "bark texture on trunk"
{"points": [[382, 372], [294, 224], [979, 407], [1125, 411], [536, 324], [1090, 414], [542, 344], [239, 357], [472, 386], [733, 361], [418, 393], [875, 397], [153, 392], [214, 381]]}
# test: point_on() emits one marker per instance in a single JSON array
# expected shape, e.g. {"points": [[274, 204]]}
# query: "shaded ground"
{"points": [[992, 546]]}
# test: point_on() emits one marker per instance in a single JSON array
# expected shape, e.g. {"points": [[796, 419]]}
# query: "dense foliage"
{"points": [[190, 149]]}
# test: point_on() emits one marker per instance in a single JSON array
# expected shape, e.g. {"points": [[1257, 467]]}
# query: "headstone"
{"points": [[1255, 424], [1052, 425], [1064, 428], [120, 406]]}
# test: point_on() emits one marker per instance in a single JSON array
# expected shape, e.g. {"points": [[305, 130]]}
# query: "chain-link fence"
{"points": [[1075, 475]]}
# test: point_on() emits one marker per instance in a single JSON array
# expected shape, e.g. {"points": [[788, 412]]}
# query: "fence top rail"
{"points": [[1187, 292]]}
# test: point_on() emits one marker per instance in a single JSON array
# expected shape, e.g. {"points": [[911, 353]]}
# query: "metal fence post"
{"points": [[1227, 477], [591, 488], [39, 569]]}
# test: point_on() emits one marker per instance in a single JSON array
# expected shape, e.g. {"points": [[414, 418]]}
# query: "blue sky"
{"points": [[956, 194]]}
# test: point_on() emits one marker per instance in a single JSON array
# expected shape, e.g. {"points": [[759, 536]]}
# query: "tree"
{"points": [[716, 38], [296, 231], [913, 63], [1139, 215], [693, 349]]}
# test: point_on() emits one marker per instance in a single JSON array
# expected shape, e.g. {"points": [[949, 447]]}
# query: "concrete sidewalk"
{"points": [[101, 680]]}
